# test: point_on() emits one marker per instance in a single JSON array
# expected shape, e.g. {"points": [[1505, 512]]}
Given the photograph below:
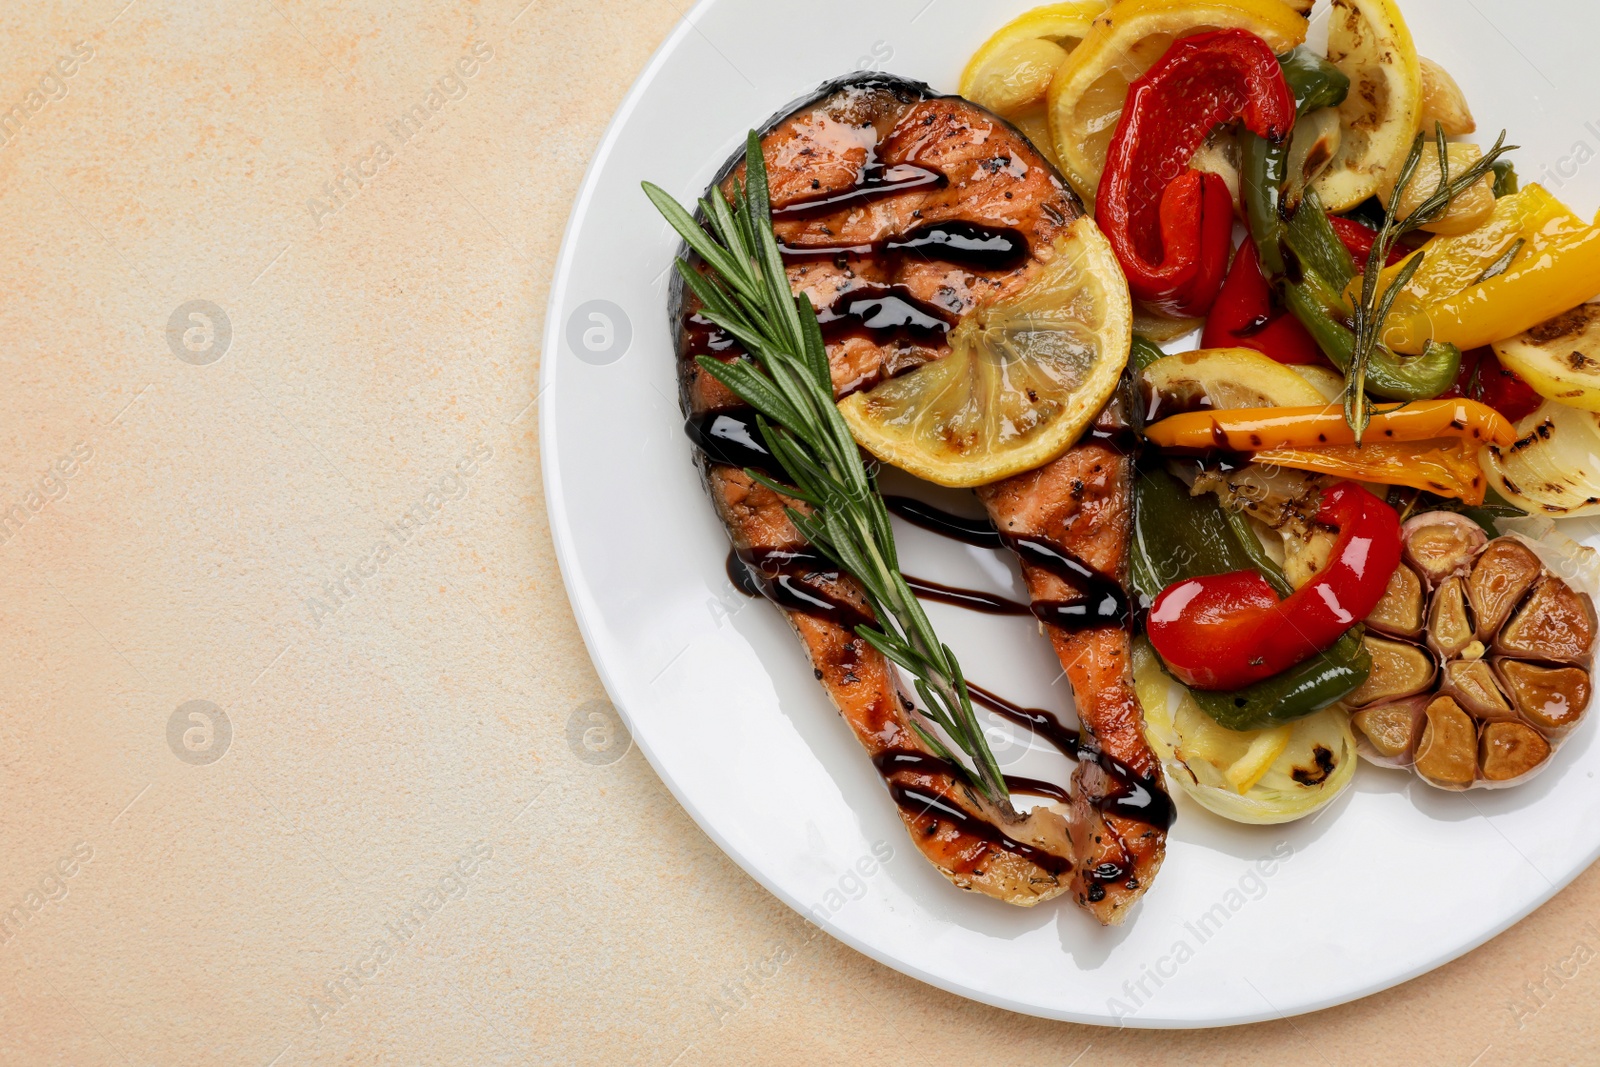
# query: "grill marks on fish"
{"points": [[994, 194], [849, 170]]}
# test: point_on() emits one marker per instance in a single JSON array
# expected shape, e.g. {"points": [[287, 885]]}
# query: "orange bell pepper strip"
{"points": [[1445, 467], [1259, 429]]}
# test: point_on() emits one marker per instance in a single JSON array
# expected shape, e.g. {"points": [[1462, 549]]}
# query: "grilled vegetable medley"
{"points": [[1394, 360]]}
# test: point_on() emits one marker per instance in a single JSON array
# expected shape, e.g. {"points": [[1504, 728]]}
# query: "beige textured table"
{"points": [[301, 757]]}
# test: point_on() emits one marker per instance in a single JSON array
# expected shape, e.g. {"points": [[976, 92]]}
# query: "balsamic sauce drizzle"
{"points": [[1138, 797], [899, 759], [733, 438], [978, 532], [1102, 601], [707, 336], [874, 181], [794, 579], [966, 244], [915, 798], [1119, 439], [881, 314], [971, 599], [921, 800], [1035, 787], [792, 576]]}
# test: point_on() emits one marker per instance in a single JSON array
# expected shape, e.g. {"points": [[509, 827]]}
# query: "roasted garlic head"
{"points": [[1481, 659]]}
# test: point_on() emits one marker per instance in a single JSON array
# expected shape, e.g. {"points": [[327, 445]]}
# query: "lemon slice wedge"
{"points": [[1086, 96], [1230, 378], [1024, 376], [1368, 40], [1013, 70], [1327, 382]]}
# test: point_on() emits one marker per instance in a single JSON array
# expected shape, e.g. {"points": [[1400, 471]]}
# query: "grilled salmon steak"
{"points": [[898, 212]]}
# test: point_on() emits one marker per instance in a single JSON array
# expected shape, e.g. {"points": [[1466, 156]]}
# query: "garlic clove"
{"points": [[1509, 750], [1391, 729], [1472, 684], [1506, 570], [1449, 629], [1555, 623], [1443, 102], [1399, 670], [1550, 698], [1447, 752], [1401, 609], [1442, 543]]}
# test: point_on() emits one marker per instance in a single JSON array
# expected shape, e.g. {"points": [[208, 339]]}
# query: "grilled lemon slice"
{"points": [[1229, 378], [1013, 69], [1368, 40], [1087, 94], [1024, 375]]}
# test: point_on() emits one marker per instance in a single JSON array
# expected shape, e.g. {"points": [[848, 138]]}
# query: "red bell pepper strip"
{"points": [[1358, 238], [1243, 316], [1485, 379], [1463, 387], [1229, 631], [1170, 225], [1504, 390]]}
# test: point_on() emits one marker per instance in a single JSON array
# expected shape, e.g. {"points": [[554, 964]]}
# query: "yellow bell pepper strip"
{"points": [[1447, 466], [1539, 287], [1523, 225], [1259, 429]]}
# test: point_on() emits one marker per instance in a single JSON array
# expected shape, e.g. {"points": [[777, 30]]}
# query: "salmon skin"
{"points": [[898, 211]]}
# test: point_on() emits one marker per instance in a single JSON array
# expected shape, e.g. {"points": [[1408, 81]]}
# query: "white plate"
{"points": [[1243, 923]]}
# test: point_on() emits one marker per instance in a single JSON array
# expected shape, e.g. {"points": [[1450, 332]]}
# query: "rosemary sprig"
{"points": [[788, 383], [1373, 310], [1503, 264]]}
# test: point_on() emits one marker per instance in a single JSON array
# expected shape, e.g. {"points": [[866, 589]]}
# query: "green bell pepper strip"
{"points": [[1246, 539], [1296, 693], [1305, 259], [1321, 308], [1263, 168], [1317, 244], [1143, 353], [1310, 266], [1315, 82], [1177, 537], [1505, 178]]}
